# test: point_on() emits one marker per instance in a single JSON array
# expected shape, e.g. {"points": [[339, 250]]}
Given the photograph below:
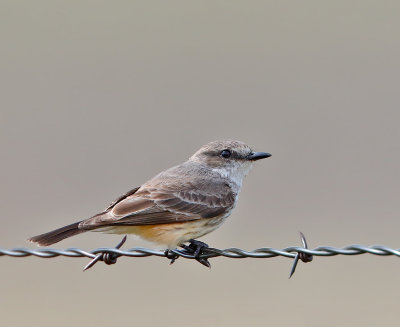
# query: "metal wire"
{"points": [[201, 252], [289, 252]]}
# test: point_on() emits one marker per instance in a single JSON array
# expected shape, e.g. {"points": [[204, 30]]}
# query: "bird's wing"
{"points": [[167, 203], [122, 197]]}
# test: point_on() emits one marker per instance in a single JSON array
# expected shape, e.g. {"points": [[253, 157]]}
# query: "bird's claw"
{"points": [[196, 249]]}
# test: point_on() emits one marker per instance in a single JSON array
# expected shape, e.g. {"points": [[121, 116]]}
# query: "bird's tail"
{"points": [[57, 235]]}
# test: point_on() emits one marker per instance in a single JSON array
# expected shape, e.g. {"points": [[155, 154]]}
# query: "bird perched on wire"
{"points": [[178, 205]]}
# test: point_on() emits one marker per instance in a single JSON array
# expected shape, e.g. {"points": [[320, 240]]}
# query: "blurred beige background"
{"points": [[95, 91]]}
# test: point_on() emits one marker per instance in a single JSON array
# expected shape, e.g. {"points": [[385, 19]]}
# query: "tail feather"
{"points": [[57, 235]]}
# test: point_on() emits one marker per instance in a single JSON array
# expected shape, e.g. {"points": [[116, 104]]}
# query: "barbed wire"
{"points": [[110, 255], [289, 252]]}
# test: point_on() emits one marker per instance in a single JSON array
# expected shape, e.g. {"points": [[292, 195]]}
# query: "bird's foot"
{"points": [[196, 248]]}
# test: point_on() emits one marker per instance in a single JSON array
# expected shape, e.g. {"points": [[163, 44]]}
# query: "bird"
{"points": [[179, 205]]}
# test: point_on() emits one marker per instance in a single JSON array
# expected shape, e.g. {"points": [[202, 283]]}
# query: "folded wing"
{"points": [[162, 203]]}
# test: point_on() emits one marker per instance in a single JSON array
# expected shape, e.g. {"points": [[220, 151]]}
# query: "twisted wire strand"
{"points": [[289, 252]]}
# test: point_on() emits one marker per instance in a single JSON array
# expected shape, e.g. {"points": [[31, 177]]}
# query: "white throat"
{"points": [[235, 173]]}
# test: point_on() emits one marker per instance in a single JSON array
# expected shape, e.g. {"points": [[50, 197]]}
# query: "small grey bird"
{"points": [[178, 205]]}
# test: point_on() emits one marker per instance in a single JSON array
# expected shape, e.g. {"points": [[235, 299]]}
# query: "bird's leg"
{"points": [[196, 249]]}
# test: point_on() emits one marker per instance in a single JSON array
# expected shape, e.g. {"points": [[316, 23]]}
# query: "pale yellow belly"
{"points": [[170, 235]]}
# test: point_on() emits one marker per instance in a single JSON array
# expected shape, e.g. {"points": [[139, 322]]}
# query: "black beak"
{"points": [[258, 155]]}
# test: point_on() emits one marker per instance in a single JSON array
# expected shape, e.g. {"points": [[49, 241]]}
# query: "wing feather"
{"points": [[161, 203]]}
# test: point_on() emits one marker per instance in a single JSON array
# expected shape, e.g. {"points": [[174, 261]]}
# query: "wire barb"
{"points": [[305, 257], [107, 257]]}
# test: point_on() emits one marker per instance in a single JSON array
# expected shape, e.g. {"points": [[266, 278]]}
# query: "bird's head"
{"points": [[232, 159]]}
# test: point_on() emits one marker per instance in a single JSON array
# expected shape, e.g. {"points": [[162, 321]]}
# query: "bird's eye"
{"points": [[226, 153]]}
